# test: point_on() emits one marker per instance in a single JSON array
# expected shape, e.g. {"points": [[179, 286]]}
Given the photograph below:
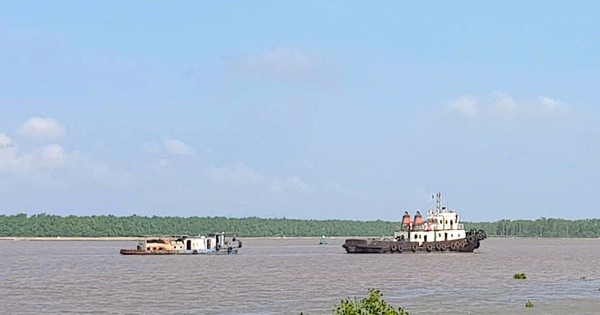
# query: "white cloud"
{"points": [[546, 106], [46, 127], [53, 155], [466, 105], [502, 104], [169, 147], [549, 103], [236, 174], [13, 161], [4, 140], [290, 183], [10, 161], [176, 147]]}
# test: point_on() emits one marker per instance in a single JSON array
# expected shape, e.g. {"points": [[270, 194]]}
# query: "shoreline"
{"points": [[135, 238], [59, 238]]}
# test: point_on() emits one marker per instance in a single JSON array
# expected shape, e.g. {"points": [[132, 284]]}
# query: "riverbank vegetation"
{"points": [[45, 225], [370, 305], [519, 276]]}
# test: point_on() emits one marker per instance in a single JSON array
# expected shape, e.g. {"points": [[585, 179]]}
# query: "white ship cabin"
{"points": [[441, 225], [183, 243]]}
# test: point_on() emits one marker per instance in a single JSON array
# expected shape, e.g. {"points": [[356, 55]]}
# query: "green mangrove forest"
{"points": [[46, 225]]}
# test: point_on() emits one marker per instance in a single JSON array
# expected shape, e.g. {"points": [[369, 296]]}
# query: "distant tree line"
{"points": [[542, 227], [45, 225]]}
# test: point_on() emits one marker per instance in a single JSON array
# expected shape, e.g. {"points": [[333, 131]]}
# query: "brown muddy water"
{"points": [[289, 276]]}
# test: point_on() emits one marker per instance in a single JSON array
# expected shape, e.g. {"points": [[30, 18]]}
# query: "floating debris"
{"points": [[519, 276]]}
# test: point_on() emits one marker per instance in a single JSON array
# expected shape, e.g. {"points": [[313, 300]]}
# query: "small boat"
{"points": [[214, 244], [441, 231]]}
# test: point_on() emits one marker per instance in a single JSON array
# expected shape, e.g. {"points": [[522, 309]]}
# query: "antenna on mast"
{"points": [[438, 201]]}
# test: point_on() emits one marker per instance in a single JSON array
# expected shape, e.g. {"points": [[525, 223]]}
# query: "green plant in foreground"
{"points": [[519, 276], [528, 304], [371, 305]]}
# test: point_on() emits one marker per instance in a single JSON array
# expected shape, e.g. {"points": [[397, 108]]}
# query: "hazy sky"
{"points": [[305, 109]]}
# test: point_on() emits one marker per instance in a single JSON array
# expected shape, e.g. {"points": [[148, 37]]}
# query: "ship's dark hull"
{"points": [[383, 245], [177, 252]]}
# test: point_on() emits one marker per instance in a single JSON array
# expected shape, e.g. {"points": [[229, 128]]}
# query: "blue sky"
{"points": [[307, 109]]}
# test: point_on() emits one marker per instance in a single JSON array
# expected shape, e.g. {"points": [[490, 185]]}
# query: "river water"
{"points": [[289, 276]]}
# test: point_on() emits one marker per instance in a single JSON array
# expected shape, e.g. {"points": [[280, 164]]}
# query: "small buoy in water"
{"points": [[323, 241]]}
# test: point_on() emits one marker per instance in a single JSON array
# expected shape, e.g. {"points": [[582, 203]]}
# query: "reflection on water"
{"points": [[288, 276]]}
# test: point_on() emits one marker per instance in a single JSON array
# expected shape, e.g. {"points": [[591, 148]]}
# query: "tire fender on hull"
{"points": [[429, 247], [414, 247]]}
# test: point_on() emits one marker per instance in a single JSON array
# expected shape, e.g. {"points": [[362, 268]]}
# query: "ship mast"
{"points": [[438, 201]]}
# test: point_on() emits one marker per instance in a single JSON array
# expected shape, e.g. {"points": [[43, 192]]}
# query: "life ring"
{"points": [[429, 247], [414, 247]]}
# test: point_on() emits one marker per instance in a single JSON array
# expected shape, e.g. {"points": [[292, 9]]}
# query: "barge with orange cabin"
{"points": [[213, 244], [441, 231]]}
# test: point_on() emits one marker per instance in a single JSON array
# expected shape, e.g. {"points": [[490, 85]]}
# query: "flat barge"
{"points": [[213, 244]]}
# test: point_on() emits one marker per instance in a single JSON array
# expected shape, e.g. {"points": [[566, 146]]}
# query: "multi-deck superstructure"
{"points": [[440, 231]]}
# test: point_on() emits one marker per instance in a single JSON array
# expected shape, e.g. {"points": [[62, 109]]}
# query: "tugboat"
{"points": [[214, 244], [441, 231]]}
